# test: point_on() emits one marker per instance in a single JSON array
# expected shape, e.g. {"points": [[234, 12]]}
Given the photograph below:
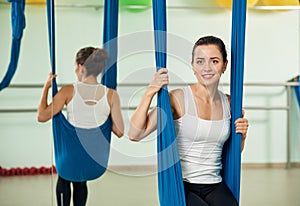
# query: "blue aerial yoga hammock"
{"points": [[171, 191], [18, 24], [82, 154], [297, 89], [170, 183], [232, 148]]}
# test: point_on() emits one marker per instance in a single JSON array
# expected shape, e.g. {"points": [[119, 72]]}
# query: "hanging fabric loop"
{"points": [[18, 25], [232, 148], [170, 183], [110, 42], [82, 154]]}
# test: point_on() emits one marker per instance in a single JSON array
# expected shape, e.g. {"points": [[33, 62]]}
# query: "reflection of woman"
{"points": [[89, 104], [201, 116]]}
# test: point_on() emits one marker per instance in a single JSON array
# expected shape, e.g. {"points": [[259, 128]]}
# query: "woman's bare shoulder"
{"points": [[67, 92], [67, 89], [177, 102], [177, 92]]}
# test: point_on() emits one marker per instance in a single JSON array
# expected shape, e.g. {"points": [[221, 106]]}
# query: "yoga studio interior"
{"points": [[262, 39]]}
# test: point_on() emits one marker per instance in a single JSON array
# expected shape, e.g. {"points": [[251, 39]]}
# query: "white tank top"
{"points": [[200, 142], [83, 115]]}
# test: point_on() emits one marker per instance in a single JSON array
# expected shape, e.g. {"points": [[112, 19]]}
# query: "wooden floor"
{"points": [[259, 187]]}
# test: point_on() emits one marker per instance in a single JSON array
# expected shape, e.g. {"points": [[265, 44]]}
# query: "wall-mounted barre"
{"points": [[287, 88]]}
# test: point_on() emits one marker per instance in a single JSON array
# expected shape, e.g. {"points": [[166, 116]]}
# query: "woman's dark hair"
{"points": [[207, 40], [92, 59]]}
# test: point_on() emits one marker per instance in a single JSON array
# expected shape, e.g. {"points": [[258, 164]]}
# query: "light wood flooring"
{"points": [[259, 187]]}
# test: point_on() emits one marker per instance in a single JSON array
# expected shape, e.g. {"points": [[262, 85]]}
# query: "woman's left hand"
{"points": [[241, 125]]}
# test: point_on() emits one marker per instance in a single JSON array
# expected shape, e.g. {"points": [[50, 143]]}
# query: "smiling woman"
{"points": [[208, 63], [201, 115], [209, 60]]}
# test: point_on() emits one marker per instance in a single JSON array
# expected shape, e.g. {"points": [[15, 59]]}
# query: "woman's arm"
{"points": [[47, 111], [241, 126], [116, 114], [143, 123]]}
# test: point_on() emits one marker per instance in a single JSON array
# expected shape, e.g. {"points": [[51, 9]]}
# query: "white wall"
{"points": [[272, 55]]}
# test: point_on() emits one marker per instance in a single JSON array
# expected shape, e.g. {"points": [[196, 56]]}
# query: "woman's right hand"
{"points": [[48, 82], [160, 79]]}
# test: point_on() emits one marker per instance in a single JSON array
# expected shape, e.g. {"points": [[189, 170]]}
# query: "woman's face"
{"points": [[208, 64]]}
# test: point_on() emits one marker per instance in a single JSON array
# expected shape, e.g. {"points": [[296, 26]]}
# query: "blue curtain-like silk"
{"points": [[297, 89], [232, 148], [18, 25], [81, 154], [170, 183], [51, 35], [110, 42]]}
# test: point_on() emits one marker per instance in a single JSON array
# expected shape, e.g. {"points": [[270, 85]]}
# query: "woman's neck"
{"points": [[89, 80], [207, 93]]}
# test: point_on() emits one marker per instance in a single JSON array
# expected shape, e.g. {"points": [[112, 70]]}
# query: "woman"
{"points": [[201, 116], [88, 105]]}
